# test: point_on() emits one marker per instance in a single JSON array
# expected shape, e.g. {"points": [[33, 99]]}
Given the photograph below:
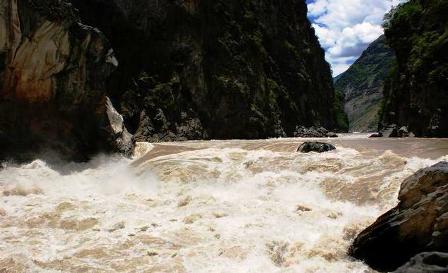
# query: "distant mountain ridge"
{"points": [[362, 86]]}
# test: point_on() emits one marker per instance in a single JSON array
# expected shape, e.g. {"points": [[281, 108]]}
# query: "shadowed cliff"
{"points": [[215, 69], [176, 70], [416, 92]]}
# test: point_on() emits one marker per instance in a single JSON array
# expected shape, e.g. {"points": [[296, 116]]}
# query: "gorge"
{"points": [[196, 136], [175, 70]]}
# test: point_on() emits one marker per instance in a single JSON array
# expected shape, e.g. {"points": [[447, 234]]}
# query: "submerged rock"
{"points": [[318, 147], [376, 135], [419, 223], [427, 262]]}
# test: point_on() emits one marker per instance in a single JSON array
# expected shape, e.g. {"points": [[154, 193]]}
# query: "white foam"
{"points": [[241, 211]]}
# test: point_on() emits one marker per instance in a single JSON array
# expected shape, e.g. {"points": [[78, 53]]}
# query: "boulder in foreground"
{"points": [[418, 224], [319, 147], [427, 262]]}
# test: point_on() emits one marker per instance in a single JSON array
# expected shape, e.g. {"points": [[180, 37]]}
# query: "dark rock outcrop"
{"points": [[115, 132], [415, 93], [313, 132], [376, 135], [403, 132], [215, 68], [362, 86], [53, 72], [427, 262], [390, 131], [418, 224], [318, 147]]}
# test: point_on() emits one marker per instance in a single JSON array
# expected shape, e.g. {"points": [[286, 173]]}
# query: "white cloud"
{"points": [[346, 27]]}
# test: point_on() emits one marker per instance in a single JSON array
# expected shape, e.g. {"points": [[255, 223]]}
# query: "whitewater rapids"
{"points": [[205, 206]]}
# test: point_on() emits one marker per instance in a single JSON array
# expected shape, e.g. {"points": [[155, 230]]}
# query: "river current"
{"points": [[205, 206]]}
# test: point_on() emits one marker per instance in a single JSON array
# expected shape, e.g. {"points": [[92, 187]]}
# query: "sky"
{"points": [[346, 27]]}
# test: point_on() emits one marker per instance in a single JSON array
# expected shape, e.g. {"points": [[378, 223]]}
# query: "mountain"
{"points": [[416, 92], [362, 86], [175, 70]]}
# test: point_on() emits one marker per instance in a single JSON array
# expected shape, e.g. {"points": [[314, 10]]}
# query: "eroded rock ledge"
{"points": [[418, 224], [53, 71]]}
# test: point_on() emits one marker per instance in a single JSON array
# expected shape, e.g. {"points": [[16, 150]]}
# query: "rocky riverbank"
{"points": [[418, 225]]}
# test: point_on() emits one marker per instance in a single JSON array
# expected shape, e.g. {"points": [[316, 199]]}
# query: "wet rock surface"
{"points": [[428, 262], [118, 137], [319, 147], [418, 224], [376, 135]]}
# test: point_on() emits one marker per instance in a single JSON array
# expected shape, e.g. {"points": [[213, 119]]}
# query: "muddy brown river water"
{"points": [[205, 206]]}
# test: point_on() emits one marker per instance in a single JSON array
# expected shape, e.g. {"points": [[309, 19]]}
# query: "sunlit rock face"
{"points": [[418, 224], [52, 73]]}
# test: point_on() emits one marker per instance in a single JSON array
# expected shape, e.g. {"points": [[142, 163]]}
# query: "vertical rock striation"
{"points": [[416, 93], [53, 71], [215, 69], [188, 69]]}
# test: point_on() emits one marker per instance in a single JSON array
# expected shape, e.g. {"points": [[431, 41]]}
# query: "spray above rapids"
{"points": [[197, 207]]}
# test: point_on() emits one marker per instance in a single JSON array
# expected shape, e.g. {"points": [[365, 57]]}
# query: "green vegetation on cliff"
{"points": [[416, 91], [362, 86], [215, 68]]}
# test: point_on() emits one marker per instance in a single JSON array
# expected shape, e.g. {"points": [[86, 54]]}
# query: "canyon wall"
{"points": [[53, 73], [416, 92]]}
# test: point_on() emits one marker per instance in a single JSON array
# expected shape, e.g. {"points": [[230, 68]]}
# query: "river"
{"points": [[205, 206]]}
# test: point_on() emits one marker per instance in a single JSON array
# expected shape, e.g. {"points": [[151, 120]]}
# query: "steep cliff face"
{"points": [[53, 71], [215, 69], [416, 93], [362, 85], [187, 70]]}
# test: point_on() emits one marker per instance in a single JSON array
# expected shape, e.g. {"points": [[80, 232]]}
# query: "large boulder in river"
{"points": [[319, 147], [53, 73], [419, 223]]}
